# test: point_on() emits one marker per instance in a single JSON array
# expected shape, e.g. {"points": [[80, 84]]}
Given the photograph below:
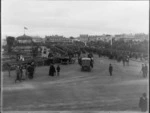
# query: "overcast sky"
{"points": [[72, 18]]}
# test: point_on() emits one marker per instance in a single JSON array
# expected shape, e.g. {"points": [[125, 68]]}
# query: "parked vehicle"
{"points": [[86, 64]]}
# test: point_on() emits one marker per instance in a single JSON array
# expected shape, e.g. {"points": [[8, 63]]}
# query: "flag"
{"points": [[26, 28]]}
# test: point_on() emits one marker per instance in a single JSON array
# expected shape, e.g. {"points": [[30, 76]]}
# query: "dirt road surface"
{"points": [[76, 90]]}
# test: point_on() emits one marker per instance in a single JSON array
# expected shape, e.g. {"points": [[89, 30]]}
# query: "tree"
{"points": [[10, 42]]}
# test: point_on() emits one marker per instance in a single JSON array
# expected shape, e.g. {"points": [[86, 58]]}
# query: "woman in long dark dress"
{"points": [[52, 70]]}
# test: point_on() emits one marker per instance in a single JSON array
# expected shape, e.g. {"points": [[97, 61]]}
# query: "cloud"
{"points": [[74, 17]]}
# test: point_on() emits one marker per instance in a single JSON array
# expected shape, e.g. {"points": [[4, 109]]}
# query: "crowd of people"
{"points": [[132, 46], [25, 71]]}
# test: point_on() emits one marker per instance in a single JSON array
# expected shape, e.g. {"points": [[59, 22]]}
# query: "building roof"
{"points": [[37, 37], [24, 37]]}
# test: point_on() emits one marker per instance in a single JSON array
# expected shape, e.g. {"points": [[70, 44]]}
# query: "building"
{"points": [[128, 37], [23, 45], [44, 51], [117, 37], [140, 37], [24, 39], [37, 39], [92, 38], [88, 38], [56, 38], [104, 37], [23, 49], [101, 37], [84, 38], [125, 37]]}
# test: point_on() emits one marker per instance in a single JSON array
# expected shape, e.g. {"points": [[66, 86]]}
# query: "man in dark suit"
{"points": [[145, 70], [110, 69], [58, 70]]}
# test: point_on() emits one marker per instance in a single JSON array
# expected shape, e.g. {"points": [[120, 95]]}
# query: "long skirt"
{"points": [[30, 75], [18, 77]]}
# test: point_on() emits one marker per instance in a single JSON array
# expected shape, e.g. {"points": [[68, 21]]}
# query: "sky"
{"points": [[72, 18]]}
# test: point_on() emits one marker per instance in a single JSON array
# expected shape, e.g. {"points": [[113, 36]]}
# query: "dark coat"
{"points": [[110, 68], [143, 104], [18, 73], [58, 69], [52, 70], [145, 69], [30, 71]]}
